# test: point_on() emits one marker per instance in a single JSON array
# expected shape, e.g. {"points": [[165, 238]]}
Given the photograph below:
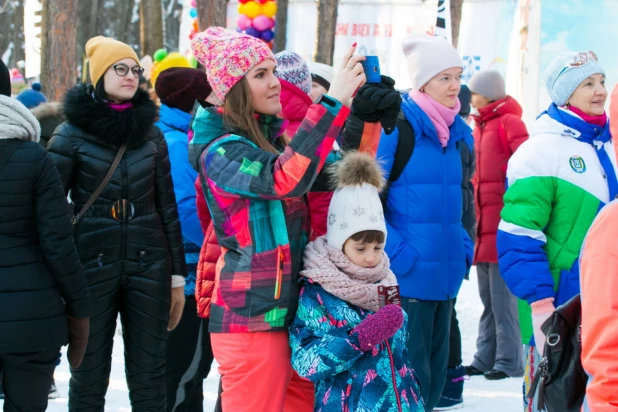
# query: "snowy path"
{"points": [[479, 395]]}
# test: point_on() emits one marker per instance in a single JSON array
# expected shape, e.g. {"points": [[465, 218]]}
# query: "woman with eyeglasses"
{"points": [[558, 181], [129, 239]]}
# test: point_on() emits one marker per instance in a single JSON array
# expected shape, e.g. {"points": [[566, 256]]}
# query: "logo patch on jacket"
{"points": [[577, 164]]}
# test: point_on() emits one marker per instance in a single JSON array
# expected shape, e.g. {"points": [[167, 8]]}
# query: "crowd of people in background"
{"points": [[306, 228]]}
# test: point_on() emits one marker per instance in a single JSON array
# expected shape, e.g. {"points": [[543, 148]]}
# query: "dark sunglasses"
{"points": [[122, 70]]}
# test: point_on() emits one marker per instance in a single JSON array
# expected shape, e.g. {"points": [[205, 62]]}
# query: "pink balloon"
{"points": [[243, 22], [262, 23], [194, 3]]}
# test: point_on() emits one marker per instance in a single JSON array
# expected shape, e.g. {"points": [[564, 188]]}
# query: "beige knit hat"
{"points": [[427, 56]]}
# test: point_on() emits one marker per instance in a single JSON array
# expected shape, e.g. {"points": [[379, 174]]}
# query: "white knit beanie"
{"points": [[427, 56], [561, 79], [322, 73], [355, 206], [488, 83]]}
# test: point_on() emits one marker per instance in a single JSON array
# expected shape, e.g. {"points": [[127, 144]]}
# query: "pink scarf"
{"points": [[120, 107], [332, 270], [600, 121], [441, 116]]}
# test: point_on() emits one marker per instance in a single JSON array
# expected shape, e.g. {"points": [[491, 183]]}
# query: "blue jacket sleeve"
{"points": [[402, 255], [184, 177], [320, 349]]}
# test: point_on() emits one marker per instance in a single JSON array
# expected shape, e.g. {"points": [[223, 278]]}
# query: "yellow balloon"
{"points": [[252, 9], [269, 9], [241, 8]]}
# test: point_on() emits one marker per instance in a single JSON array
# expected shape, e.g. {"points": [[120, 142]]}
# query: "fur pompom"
{"points": [[357, 168]]}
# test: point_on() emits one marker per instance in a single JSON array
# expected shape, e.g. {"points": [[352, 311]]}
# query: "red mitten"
{"points": [[379, 326]]}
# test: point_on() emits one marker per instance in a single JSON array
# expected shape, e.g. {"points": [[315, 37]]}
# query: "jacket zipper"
{"points": [[100, 260], [390, 355], [124, 174], [477, 193], [280, 259], [445, 202]]}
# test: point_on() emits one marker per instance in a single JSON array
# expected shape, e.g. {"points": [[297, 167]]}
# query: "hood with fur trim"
{"points": [[94, 117], [47, 110], [50, 116]]}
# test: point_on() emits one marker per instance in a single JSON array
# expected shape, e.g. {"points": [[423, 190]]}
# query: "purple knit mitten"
{"points": [[379, 326]]}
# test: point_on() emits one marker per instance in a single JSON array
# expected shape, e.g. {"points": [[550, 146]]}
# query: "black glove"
{"points": [[79, 330], [378, 102]]}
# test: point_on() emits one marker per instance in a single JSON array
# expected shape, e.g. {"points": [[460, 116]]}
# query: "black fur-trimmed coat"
{"points": [[83, 149]]}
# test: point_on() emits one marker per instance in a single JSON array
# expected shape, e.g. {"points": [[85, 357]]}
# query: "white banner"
{"points": [[485, 35], [378, 27]]}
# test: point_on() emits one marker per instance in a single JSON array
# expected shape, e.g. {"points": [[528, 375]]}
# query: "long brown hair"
{"points": [[238, 114]]}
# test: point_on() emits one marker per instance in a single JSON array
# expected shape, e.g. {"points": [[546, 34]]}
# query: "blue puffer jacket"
{"points": [[346, 378], [429, 248], [174, 124]]}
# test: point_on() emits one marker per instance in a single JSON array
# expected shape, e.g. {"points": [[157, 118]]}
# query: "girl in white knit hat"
{"points": [[347, 336]]}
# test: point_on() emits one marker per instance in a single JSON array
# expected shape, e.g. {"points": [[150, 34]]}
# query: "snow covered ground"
{"points": [[479, 394]]}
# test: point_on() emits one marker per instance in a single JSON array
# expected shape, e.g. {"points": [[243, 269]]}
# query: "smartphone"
{"points": [[371, 65]]}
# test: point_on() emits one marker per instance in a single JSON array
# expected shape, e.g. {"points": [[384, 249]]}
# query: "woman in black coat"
{"points": [[129, 240], [44, 301]]}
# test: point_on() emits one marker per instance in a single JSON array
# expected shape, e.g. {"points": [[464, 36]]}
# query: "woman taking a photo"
{"points": [[255, 186], [127, 229]]}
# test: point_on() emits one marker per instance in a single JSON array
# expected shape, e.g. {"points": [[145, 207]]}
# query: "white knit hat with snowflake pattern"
{"points": [[355, 206]]}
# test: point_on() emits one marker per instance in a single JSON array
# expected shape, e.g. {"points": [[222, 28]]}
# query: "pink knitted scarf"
{"points": [[441, 116], [333, 271], [120, 107]]}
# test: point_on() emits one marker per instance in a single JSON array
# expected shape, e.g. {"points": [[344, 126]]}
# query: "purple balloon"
{"points": [[252, 32], [267, 35]]}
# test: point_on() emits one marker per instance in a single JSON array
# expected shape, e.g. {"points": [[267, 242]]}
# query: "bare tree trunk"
{"points": [[327, 24], [281, 35], [211, 13], [456, 8], [12, 30], [151, 26], [19, 52], [129, 28], [6, 20], [172, 11], [88, 13], [58, 38]]}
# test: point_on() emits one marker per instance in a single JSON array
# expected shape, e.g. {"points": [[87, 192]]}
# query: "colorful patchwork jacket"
{"points": [[346, 378], [260, 213]]}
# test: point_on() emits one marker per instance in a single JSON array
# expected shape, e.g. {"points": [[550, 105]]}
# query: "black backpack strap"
{"points": [[405, 147]]}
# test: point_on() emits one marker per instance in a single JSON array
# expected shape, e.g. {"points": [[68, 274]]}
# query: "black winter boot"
{"points": [[452, 395]]}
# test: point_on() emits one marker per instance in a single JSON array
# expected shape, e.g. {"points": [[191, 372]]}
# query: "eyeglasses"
{"points": [[122, 70], [583, 58], [579, 60]]}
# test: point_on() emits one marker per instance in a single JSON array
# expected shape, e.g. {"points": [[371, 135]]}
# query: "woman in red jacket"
{"points": [[498, 133]]}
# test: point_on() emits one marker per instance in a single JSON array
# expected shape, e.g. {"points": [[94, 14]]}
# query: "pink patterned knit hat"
{"points": [[228, 56]]}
